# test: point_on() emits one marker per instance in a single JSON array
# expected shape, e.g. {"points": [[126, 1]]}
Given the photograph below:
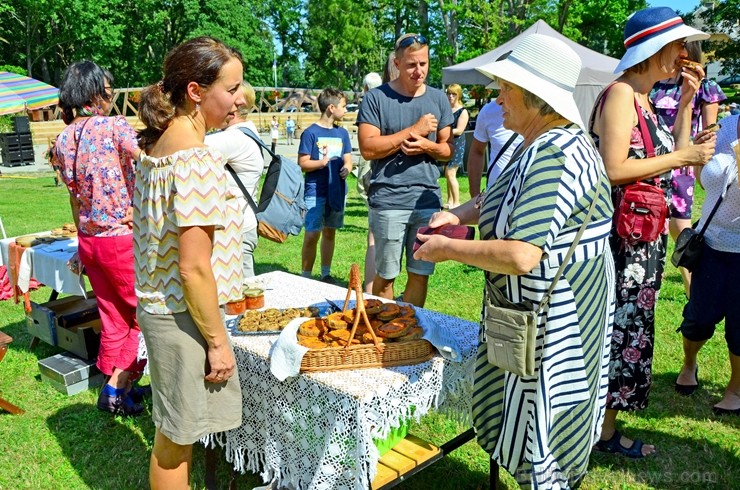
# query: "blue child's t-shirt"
{"points": [[335, 141]]}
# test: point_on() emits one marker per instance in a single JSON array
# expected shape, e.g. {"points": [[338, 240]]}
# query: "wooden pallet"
{"points": [[408, 454]]}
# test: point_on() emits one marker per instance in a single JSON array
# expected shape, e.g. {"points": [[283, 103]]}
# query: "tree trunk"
{"points": [[449, 19]]}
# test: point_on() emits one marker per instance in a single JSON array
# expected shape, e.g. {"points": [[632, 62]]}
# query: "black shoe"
{"points": [[726, 411], [119, 405], [138, 393], [687, 390]]}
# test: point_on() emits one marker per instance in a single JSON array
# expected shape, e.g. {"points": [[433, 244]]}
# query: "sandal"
{"points": [[614, 445]]}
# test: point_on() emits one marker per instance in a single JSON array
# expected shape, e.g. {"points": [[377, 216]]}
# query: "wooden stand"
{"points": [[4, 404]]}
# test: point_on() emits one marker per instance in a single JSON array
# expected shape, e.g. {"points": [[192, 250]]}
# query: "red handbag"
{"points": [[642, 212]]}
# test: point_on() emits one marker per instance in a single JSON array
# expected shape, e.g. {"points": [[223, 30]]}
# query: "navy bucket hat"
{"points": [[648, 30]]}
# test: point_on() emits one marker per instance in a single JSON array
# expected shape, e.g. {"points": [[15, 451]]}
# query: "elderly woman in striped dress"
{"points": [[541, 428]]}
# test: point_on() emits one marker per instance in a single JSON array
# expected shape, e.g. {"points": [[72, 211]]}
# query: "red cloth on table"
{"points": [[15, 252]]}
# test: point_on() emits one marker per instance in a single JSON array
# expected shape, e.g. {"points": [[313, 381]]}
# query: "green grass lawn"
{"points": [[65, 442]]}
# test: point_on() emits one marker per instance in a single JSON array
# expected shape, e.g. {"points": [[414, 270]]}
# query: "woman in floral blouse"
{"points": [[665, 97], [95, 157]]}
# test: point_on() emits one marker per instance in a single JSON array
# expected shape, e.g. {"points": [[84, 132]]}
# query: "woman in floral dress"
{"points": [[665, 96], [655, 40]]}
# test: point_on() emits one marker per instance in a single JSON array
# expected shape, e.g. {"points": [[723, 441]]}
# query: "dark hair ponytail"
{"points": [[198, 60]]}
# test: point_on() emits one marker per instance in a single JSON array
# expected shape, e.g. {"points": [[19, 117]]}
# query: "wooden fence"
{"points": [[300, 104]]}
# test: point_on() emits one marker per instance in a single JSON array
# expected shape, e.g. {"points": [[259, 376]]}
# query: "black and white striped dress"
{"points": [[541, 428]]}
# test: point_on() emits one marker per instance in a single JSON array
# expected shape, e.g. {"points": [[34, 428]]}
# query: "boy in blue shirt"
{"points": [[325, 155]]}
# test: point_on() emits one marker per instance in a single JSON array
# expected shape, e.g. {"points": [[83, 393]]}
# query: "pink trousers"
{"points": [[109, 263]]}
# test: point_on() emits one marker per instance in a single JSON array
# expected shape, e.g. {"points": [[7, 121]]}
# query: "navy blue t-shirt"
{"points": [[335, 141]]}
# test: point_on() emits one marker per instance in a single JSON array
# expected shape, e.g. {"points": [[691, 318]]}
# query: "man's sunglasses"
{"points": [[408, 41]]}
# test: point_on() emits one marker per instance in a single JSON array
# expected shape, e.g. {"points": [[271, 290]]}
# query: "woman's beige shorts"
{"points": [[185, 406]]}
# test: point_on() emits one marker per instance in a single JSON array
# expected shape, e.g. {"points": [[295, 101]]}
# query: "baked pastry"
{"points": [[407, 311], [336, 321], [388, 312], [311, 342], [373, 306], [394, 329], [349, 315], [312, 328], [414, 333], [713, 127], [686, 63], [341, 335]]}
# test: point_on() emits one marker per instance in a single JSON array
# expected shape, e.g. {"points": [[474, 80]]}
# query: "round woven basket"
{"points": [[367, 356]]}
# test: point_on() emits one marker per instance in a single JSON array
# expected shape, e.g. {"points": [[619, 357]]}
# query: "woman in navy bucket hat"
{"points": [[637, 146]]}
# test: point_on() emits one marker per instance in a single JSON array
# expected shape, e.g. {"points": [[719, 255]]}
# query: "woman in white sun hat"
{"points": [[636, 145], [541, 428]]}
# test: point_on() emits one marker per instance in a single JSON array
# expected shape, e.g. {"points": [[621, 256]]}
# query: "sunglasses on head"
{"points": [[408, 41]]}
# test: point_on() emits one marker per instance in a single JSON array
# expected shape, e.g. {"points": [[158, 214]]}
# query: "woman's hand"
{"points": [[433, 247], [703, 148], [690, 84], [75, 264], [221, 362], [443, 218], [128, 219]]}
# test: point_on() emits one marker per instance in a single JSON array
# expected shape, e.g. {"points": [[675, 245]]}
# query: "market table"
{"points": [[47, 263], [316, 430]]}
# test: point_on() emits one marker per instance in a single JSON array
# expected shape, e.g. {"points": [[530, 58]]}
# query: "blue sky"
{"points": [[683, 6]]}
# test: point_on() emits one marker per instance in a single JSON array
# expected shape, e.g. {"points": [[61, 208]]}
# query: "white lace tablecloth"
{"points": [[47, 264], [315, 431]]}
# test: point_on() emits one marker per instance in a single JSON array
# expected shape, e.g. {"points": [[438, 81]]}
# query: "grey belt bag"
{"points": [[510, 329]]}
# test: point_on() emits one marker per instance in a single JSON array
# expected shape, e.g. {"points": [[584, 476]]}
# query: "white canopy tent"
{"points": [[596, 72]]}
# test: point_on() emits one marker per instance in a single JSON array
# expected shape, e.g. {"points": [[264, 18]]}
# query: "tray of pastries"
{"points": [[270, 321]]}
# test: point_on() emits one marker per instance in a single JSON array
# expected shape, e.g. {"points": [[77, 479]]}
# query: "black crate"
{"points": [[25, 139], [12, 156], [21, 125], [28, 155], [10, 141]]}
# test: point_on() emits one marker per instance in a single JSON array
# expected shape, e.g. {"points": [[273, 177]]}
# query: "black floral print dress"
{"points": [[639, 272]]}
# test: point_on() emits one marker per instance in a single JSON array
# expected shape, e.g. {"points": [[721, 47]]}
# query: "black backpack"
{"points": [[281, 210]]}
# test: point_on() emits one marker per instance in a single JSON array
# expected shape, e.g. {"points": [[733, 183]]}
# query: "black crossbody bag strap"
{"points": [[243, 189], [498, 155]]}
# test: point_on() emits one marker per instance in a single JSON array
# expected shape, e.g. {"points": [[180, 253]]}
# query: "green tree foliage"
{"points": [[129, 37], [316, 43], [724, 17]]}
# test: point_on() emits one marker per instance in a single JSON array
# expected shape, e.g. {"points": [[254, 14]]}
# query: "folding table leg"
{"points": [[9, 407], [493, 474]]}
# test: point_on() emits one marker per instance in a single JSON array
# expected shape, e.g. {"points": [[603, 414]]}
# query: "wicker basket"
{"points": [[367, 356]]}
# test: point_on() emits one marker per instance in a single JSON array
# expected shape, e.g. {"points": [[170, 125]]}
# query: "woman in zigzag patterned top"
{"points": [[187, 229], [541, 427]]}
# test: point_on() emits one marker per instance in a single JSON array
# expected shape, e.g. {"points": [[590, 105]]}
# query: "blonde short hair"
{"points": [[456, 89], [250, 96]]}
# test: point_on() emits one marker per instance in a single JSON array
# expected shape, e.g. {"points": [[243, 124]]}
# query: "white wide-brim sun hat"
{"points": [[544, 66], [648, 30]]}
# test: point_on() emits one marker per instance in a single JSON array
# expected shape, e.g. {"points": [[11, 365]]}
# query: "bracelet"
{"points": [[479, 200]]}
